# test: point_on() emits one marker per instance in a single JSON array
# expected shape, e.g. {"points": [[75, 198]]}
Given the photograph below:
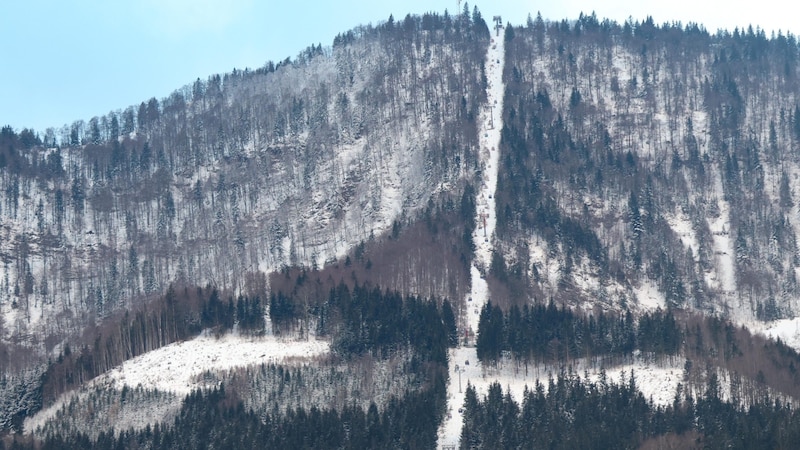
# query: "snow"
{"points": [[649, 297], [788, 330], [492, 124], [176, 368], [724, 279], [682, 226], [173, 368], [549, 268], [490, 158], [657, 382], [479, 293]]}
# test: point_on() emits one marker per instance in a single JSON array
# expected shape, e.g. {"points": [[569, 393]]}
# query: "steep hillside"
{"points": [[426, 199], [231, 178], [646, 165]]}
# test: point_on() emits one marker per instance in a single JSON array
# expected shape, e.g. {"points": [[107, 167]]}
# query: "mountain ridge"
{"points": [[638, 168]]}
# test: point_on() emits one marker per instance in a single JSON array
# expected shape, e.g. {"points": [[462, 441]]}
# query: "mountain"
{"points": [[230, 179], [420, 185], [644, 156]]}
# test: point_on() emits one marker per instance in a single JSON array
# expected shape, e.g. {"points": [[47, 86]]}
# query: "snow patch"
{"points": [[176, 367], [682, 226], [649, 296], [787, 330], [657, 382], [724, 279]]}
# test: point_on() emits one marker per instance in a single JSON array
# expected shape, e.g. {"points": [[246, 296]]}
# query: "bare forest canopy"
{"points": [[231, 178]]}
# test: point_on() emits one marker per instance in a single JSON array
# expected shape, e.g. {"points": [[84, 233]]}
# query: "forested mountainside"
{"points": [[326, 214], [637, 156], [228, 179]]}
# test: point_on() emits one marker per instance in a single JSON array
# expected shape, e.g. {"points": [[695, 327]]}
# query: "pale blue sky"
{"points": [[68, 60]]}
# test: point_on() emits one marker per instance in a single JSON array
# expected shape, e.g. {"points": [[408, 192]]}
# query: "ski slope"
{"points": [[491, 125], [658, 383]]}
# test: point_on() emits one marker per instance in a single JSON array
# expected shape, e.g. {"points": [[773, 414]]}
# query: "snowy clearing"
{"points": [[788, 330], [682, 226], [649, 297], [657, 382], [173, 368], [176, 367]]}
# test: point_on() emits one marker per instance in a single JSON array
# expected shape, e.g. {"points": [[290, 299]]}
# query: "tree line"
{"points": [[361, 322], [217, 419], [547, 333], [367, 320], [179, 315], [571, 412]]}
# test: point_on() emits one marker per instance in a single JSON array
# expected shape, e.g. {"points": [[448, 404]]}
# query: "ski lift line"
{"points": [[498, 24], [479, 291]]}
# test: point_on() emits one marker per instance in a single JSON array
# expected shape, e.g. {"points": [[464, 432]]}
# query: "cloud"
{"points": [[181, 18]]}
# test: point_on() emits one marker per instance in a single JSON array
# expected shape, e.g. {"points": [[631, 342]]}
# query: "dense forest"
{"points": [[556, 338], [636, 153], [217, 419], [564, 414], [367, 320], [550, 334]]}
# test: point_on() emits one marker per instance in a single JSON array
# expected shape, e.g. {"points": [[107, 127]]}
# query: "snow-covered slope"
{"points": [[483, 237], [231, 178], [176, 369]]}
